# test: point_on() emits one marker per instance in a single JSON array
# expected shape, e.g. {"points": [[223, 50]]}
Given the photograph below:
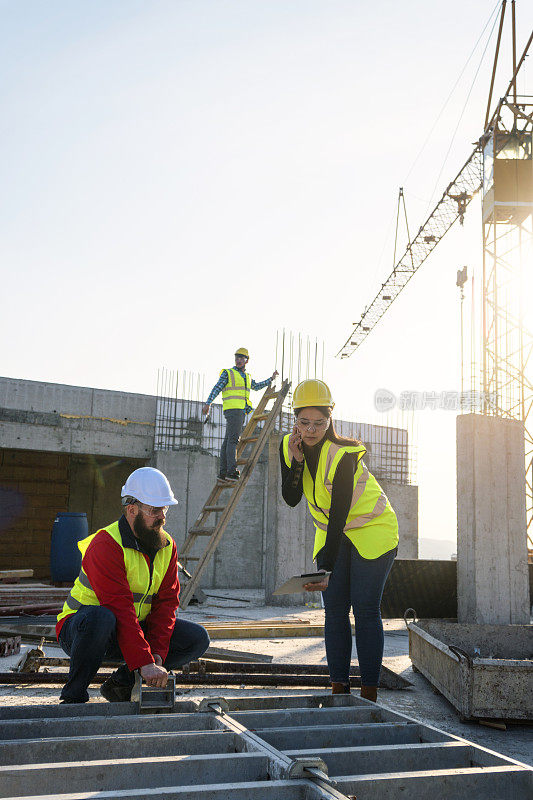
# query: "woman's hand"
{"points": [[295, 445], [317, 587]]}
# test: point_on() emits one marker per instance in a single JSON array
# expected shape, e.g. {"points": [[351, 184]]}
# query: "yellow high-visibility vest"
{"points": [[236, 393], [371, 524], [137, 573]]}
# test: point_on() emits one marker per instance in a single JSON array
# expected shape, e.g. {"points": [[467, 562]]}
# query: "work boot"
{"points": [[369, 693], [231, 477], [116, 690], [221, 476], [340, 688]]}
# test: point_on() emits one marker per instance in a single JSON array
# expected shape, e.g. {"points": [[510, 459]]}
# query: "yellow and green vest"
{"points": [[137, 573], [371, 524], [236, 393]]}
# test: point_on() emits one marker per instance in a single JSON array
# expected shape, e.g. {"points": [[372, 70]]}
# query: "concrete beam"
{"points": [[113, 774], [393, 757], [250, 790], [128, 745], [474, 783], [316, 736], [103, 726]]}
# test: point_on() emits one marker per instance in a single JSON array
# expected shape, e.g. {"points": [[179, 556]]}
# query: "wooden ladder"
{"points": [[214, 504]]}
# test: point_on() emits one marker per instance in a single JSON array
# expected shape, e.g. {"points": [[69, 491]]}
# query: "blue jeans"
{"points": [[228, 452], [89, 636], [357, 583]]}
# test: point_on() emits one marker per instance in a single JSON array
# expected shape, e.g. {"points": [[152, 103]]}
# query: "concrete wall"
{"points": [[404, 500], [71, 419], [34, 486], [95, 484], [492, 576], [239, 560]]}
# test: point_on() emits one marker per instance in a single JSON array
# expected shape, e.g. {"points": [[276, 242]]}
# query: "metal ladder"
{"points": [[214, 504]]}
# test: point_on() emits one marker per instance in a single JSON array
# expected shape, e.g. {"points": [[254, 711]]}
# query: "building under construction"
{"points": [[70, 448], [67, 448]]}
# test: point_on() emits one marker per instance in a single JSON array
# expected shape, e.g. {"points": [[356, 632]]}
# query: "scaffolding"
{"points": [[179, 426]]}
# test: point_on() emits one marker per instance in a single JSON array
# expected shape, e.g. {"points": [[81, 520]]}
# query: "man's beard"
{"points": [[151, 537]]}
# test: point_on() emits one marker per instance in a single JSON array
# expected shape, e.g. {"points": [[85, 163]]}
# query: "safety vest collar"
{"points": [[371, 524]]}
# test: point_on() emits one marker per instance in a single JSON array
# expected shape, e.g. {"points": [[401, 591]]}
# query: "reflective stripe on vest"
{"points": [[137, 573], [236, 393], [371, 524]]}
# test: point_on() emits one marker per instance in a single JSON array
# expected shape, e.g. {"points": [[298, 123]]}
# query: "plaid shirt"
{"points": [[223, 380]]}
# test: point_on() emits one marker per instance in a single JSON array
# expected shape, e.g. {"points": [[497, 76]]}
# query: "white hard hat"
{"points": [[150, 486]]}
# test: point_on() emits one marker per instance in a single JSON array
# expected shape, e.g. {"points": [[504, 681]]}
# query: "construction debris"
{"points": [[10, 646], [30, 598], [209, 672]]}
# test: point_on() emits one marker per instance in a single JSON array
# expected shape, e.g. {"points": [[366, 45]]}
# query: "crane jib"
{"points": [[450, 208]]}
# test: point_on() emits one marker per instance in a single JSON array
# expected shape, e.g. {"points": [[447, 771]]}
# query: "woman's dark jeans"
{"points": [[358, 583], [89, 637]]}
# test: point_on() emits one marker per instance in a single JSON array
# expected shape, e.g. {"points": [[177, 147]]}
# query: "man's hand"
{"points": [[154, 675], [205, 408], [317, 587], [274, 375], [295, 445]]}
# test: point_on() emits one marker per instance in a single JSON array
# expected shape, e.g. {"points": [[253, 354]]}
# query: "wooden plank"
{"points": [[256, 623], [15, 573], [266, 631]]}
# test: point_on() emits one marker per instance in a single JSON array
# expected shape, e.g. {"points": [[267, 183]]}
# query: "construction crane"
{"points": [[450, 208], [501, 165]]}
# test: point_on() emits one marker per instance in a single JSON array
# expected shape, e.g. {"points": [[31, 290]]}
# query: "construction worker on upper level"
{"points": [[356, 535], [123, 603], [235, 384]]}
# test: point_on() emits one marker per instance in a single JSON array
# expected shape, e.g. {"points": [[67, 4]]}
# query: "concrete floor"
{"points": [[420, 702]]}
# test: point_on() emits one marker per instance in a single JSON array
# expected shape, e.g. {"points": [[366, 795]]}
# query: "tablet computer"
{"points": [[297, 582]]}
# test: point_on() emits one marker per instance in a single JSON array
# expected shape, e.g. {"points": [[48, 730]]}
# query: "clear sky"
{"points": [[183, 178]]}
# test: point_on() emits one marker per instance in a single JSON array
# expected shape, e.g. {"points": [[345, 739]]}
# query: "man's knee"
{"points": [[233, 437], [99, 620], [197, 642], [203, 641]]}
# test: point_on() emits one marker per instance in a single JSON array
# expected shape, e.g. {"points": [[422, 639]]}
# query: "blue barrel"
{"points": [[65, 558]]}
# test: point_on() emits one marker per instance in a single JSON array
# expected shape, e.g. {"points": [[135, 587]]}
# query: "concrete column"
{"points": [[289, 537], [492, 572], [404, 500]]}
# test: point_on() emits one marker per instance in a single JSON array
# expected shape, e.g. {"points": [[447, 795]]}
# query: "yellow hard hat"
{"points": [[242, 351], [312, 393]]}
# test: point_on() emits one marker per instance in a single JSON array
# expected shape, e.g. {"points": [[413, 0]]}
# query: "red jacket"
{"points": [[103, 563]]}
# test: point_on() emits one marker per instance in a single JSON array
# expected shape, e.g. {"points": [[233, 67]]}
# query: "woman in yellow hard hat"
{"points": [[356, 535]]}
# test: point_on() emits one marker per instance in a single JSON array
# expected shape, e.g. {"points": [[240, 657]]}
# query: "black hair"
{"points": [[331, 433]]}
